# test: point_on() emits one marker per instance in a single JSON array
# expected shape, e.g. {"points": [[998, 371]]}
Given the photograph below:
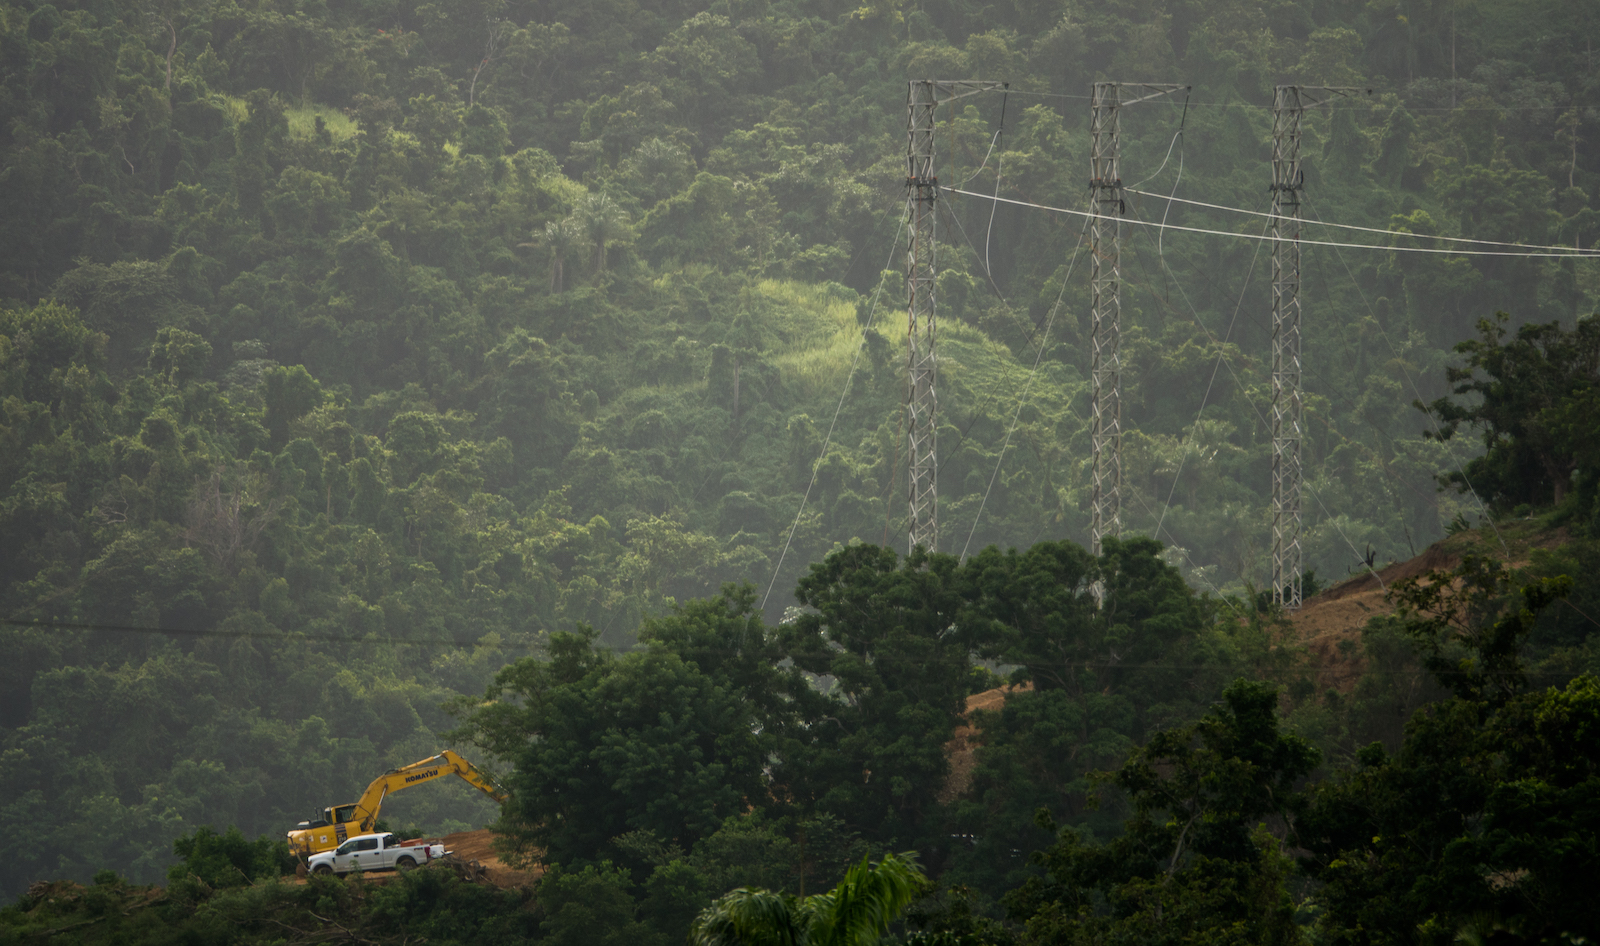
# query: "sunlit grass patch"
{"points": [[802, 313], [817, 333], [303, 121], [238, 110]]}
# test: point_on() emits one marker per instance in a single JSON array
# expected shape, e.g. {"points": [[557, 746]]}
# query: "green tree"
{"points": [[290, 394], [1479, 818], [1471, 624], [889, 633], [228, 859], [1101, 680], [606, 745], [857, 912], [1192, 864], [604, 223], [562, 238], [1483, 818], [1518, 383]]}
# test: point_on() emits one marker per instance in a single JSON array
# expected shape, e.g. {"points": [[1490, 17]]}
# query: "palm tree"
{"points": [[561, 237], [604, 222], [855, 913]]}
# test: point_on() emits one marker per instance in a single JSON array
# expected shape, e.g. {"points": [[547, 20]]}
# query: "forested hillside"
{"points": [[350, 352]]}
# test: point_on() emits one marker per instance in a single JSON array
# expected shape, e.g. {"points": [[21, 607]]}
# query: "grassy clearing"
{"points": [[237, 109], [302, 119], [817, 333]]}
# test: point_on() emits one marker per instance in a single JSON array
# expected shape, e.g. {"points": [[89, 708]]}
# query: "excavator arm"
{"points": [[342, 821], [437, 767]]}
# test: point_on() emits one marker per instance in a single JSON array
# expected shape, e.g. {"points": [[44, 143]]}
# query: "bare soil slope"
{"points": [[1340, 612], [477, 847], [963, 746]]}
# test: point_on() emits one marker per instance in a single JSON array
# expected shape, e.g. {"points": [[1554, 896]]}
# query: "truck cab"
{"points": [[365, 853], [374, 852]]}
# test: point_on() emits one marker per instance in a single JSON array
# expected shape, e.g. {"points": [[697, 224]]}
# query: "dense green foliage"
{"points": [[1192, 866], [857, 912], [431, 904], [716, 714], [365, 361], [1483, 821]]}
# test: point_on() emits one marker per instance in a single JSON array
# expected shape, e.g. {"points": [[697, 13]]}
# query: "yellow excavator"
{"points": [[341, 822]]}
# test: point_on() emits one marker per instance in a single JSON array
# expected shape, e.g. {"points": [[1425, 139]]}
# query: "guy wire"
{"points": [[849, 376]]}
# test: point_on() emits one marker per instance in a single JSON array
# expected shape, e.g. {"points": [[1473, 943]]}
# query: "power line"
{"points": [[1245, 394], [1570, 254], [1383, 466], [1428, 412], [1023, 400], [1351, 226], [285, 636], [1348, 108]]}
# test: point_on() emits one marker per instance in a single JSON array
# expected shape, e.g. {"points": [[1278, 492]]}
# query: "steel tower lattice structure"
{"points": [[923, 97], [1105, 279], [1289, 105], [1287, 181]]}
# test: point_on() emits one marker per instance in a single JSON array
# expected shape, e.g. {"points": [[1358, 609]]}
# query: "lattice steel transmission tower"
{"points": [[1105, 371], [1289, 105], [922, 98]]}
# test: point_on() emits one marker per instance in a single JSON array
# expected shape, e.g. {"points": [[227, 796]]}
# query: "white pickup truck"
{"points": [[374, 852]]}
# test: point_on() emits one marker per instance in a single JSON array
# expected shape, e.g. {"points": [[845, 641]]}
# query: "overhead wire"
{"points": [[1215, 367], [1221, 359], [999, 167], [1382, 466], [1244, 393], [1022, 401], [1341, 108], [286, 636], [1409, 380], [1238, 306], [1331, 391], [843, 393], [1427, 412], [1351, 226], [1194, 567], [992, 140], [1028, 342], [1569, 254]]}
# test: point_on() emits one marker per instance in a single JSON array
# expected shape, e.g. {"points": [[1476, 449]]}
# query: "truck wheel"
{"points": [[322, 869], [404, 863]]}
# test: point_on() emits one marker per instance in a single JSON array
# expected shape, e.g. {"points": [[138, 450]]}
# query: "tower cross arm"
{"points": [[1313, 95], [1152, 90], [948, 90]]}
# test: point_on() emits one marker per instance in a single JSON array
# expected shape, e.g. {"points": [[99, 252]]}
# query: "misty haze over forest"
{"points": [[530, 379]]}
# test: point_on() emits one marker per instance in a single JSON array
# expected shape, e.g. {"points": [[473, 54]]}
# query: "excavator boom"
{"points": [[342, 821]]}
